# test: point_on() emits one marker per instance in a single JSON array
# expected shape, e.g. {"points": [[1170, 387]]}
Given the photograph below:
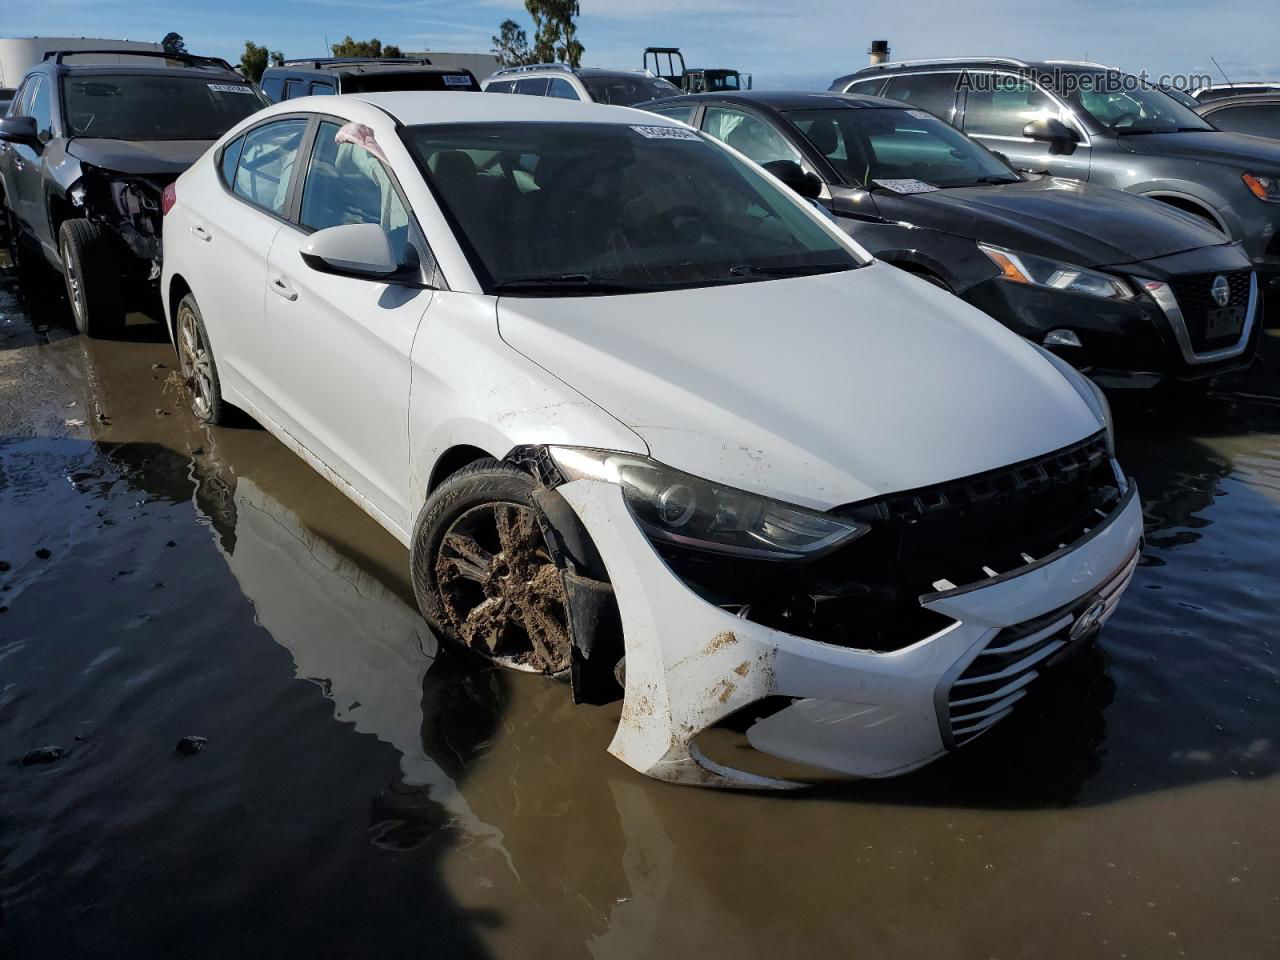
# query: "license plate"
{"points": [[1223, 322]]}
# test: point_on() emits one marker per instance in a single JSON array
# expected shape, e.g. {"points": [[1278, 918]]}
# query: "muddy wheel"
{"points": [[91, 271], [483, 572], [196, 363]]}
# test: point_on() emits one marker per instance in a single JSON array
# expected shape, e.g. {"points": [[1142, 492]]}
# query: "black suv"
{"points": [[1133, 292], [86, 152], [328, 76], [1090, 122]]}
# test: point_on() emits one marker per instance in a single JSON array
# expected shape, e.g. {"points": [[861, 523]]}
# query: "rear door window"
{"points": [[935, 92], [292, 88], [682, 112], [869, 88], [500, 86], [266, 164], [532, 86], [230, 157], [322, 90]]}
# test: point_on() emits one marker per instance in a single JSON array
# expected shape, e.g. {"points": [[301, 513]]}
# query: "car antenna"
{"points": [[1221, 71]]}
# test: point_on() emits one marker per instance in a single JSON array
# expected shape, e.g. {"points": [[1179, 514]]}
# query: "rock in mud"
{"points": [[47, 754], [189, 746]]}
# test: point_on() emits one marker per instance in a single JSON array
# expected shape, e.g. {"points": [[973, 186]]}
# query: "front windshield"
{"points": [[625, 90], [1124, 104], [870, 144], [156, 106], [717, 80], [614, 208]]}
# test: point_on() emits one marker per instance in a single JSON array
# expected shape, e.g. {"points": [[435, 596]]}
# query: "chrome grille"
{"points": [[1195, 301]]}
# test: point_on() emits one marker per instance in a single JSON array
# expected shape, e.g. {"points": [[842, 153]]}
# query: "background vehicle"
{"points": [[1257, 114], [693, 79], [334, 75], [562, 303], [1227, 91], [618, 87], [85, 154], [1090, 122], [1115, 284]]}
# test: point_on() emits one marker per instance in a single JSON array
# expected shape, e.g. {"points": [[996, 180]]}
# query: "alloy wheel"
{"points": [[197, 366], [501, 589]]}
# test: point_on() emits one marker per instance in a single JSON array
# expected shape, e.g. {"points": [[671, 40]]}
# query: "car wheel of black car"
{"points": [[484, 574], [196, 363], [90, 268]]}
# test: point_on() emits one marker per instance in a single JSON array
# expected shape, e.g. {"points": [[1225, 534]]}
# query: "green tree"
{"points": [[173, 43], [253, 61], [555, 35], [511, 45], [277, 58], [348, 47]]}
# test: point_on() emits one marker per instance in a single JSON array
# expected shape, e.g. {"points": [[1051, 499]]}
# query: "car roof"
{"points": [[212, 74], [411, 108], [1244, 100], [784, 100], [357, 69], [1011, 64]]}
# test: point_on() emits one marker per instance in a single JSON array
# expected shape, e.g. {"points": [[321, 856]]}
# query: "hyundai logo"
{"points": [[1088, 620], [1220, 290]]}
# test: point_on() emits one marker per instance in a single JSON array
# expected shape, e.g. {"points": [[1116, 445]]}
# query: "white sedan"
{"points": [[647, 421]]}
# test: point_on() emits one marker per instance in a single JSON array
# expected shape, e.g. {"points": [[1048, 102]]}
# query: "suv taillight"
{"points": [[168, 198]]}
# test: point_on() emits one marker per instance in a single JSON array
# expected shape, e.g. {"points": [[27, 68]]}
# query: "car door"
{"points": [[997, 106], [233, 227], [25, 161], [8, 153], [340, 345]]}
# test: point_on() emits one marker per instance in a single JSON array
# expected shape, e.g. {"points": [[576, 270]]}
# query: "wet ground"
{"points": [[363, 795]]}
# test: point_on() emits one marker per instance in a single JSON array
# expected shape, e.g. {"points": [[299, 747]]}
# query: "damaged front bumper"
{"points": [[691, 664]]}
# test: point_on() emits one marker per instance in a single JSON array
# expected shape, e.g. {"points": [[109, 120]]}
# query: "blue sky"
{"points": [[797, 44]]}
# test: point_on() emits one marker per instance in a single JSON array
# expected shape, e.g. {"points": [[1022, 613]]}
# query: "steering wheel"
{"points": [[680, 222], [1124, 120]]}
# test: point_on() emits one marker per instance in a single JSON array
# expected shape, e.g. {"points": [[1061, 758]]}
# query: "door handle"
{"points": [[201, 233], [281, 287], [18, 162]]}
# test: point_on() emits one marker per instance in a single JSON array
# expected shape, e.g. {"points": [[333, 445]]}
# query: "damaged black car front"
{"points": [[120, 134]]}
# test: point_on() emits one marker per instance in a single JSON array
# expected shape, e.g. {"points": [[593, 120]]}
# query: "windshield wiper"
{"points": [[788, 270], [565, 283], [998, 178]]}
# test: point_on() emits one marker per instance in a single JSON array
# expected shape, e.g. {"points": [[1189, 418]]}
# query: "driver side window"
{"points": [[1000, 106], [41, 107], [748, 135], [347, 184]]}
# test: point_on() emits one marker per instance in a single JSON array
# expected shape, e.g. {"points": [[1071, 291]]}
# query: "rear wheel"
{"points": [[484, 574], [91, 270], [195, 359]]}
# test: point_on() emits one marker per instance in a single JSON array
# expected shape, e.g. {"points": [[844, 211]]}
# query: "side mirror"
{"points": [[20, 130], [1051, 130], [796, 177], [351, 250]]}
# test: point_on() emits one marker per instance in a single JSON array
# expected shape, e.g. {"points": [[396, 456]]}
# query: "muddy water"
{"points": [[363, 795]]}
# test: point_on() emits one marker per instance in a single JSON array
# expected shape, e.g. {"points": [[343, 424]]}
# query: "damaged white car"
{"points": [[647, 421]]}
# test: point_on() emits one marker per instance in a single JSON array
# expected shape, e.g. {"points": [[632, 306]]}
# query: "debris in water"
{"points": [[191, 745], [46, 754], [171, 543], [73, 423], [44, 554], [4, 566]]}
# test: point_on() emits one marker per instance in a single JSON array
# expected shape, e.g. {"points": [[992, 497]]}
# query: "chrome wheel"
{"points": [[501, 589], [75, 288], [196, 364]]}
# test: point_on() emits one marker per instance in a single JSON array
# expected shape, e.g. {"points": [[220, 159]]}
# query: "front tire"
{"points": [[484, 574], [91, 271], [196, 362]]}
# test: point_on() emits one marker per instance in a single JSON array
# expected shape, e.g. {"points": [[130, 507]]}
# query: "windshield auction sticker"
{"points": [[230, 88], [665, 133], [456, 80], [906, 186]]}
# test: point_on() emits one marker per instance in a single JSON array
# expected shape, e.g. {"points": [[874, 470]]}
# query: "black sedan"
{"points": [[1130, 290]]}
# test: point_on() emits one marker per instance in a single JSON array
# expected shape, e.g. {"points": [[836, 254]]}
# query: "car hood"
{"points": [[1062, 219], [138, 156], [819, 390], [1215, 146]]}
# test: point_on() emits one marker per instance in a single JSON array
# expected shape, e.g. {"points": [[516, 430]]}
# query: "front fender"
{"points": [[470, 388]]}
